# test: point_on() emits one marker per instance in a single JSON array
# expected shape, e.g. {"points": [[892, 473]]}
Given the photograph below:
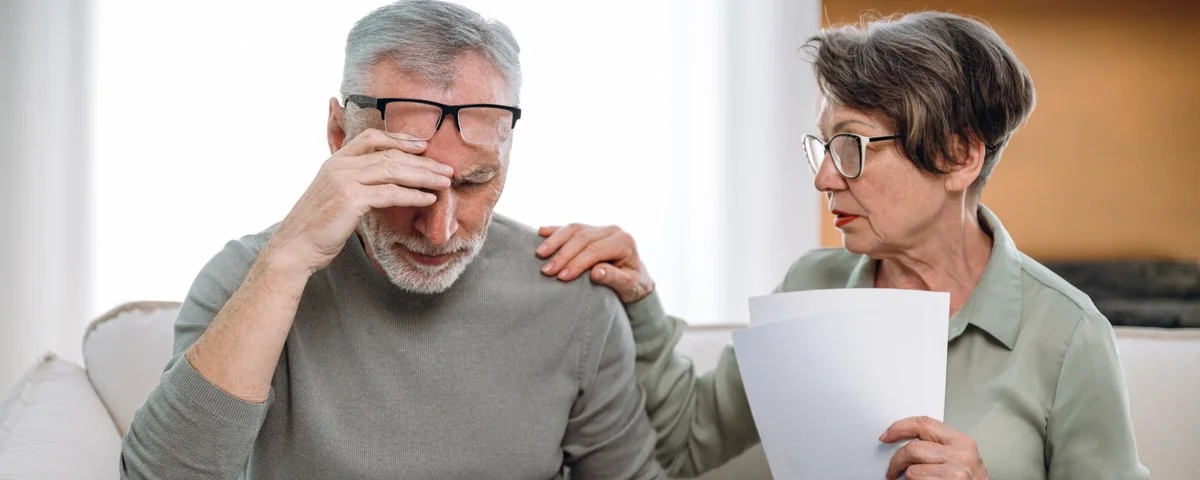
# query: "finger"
{"points": [[916, 452], [567, 252], [606, 249], [416, 161], [928, 472], [390, 195], [372, 139], [924, 428], [557, 239], [404, 170], [547, 231]]}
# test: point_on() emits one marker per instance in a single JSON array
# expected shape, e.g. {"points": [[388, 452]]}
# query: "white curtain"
{"points": [[771, 208], [672, 118], [45, 270]]}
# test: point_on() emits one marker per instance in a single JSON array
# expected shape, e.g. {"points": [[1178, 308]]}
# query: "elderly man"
{"points": [[391, 326]]}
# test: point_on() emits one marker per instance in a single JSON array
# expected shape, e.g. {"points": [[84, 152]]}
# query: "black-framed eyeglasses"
{"points": [[846, 149], [478, 123]]}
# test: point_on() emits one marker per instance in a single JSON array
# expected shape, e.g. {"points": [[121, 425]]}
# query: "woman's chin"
{"points": [[855, 243]]}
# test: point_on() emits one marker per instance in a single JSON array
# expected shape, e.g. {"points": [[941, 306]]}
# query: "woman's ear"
{"points": [[961, 174]]}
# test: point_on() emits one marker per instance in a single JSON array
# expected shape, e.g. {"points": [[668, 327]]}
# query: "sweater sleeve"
{"points": [[188, 428], [702, 421], [608, 435]]}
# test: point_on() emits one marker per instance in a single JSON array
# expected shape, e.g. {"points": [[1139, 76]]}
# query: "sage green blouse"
{"points": [[1032, 375]]}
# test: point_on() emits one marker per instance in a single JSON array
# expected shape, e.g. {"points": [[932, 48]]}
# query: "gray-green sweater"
{"points": [[509, 374]]}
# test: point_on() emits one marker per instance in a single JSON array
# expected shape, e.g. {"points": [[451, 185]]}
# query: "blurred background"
{"points": [[138, 136]]}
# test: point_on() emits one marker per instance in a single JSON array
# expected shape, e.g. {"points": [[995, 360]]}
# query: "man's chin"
{"points": [[425, 274]]}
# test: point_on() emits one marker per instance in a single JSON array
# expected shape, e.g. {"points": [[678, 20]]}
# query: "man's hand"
{"points": [[609, 252], [936, 452], [374, 170]]}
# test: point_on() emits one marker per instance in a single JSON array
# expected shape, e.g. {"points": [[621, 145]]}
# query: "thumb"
{"points": [[615, 278]]}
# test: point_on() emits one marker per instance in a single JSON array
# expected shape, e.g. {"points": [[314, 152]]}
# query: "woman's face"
{"points": [[893, 205]]}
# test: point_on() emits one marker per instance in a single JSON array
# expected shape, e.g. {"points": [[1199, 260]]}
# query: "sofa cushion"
{"points": [[125, 351], [54, 426], [1161, 368]]}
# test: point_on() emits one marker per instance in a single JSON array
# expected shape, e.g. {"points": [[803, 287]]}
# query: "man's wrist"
{"points": [[280, 271]]}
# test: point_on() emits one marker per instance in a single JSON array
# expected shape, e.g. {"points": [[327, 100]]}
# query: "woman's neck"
{"points": [[951, 260]]}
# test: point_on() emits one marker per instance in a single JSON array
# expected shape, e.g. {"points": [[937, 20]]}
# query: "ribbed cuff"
{"points": [[185, 382], [647, 317]]}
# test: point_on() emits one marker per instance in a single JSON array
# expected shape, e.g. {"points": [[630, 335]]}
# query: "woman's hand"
{"points": [[609, 252], [935, 452]]}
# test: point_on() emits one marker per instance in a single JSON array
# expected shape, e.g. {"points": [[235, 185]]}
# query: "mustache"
{"points": [[422, 246]]}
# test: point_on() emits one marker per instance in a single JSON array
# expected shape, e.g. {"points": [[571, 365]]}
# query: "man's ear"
{"points": [[334, 130], [961, 174]]}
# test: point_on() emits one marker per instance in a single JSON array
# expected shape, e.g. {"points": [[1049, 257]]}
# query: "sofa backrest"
{"points": [[1162, 370], [125, 351]]}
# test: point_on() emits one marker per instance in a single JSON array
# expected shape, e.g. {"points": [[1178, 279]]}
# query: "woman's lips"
{"points": [[843, 218]]}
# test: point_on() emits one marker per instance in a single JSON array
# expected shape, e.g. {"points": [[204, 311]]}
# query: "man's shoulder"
{"points": [[511, 258], [244, 250], [821, 268], [512, 233], [229, 266]]}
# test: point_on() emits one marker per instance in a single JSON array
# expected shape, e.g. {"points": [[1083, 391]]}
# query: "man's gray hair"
{"points": [[425, 37]]}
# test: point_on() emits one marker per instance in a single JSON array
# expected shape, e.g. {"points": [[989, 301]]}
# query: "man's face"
{"points": [[426, 249]]}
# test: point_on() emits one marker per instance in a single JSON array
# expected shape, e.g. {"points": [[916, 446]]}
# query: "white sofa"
{"points": [[63, 421]]}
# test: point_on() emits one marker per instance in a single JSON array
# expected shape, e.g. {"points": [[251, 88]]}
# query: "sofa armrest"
{"points": [[53, 425]]}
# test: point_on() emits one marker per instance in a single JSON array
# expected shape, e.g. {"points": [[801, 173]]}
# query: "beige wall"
{"points": [[1109, 163]]}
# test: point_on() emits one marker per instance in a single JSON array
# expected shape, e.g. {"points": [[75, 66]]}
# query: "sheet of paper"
{"points": [[783, 306], [827, 371]]}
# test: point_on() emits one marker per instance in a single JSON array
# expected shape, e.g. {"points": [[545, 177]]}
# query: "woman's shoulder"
{"points": [[1054, 307], [821, 268]]}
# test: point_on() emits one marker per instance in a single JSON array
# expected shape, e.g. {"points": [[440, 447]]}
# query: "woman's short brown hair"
{"points": [[936, 77]]}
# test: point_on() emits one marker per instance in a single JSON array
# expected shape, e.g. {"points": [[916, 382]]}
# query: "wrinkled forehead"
{"points": [[470, 79]]}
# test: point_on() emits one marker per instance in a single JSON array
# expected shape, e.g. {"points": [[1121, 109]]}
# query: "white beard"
{"points": [[409, 275]]}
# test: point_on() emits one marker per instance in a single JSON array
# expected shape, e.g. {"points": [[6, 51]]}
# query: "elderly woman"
{"points": [[916, 113]]}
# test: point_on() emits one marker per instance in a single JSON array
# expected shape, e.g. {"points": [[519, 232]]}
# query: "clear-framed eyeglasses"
{"points": [[478, 123], [846, 149]]}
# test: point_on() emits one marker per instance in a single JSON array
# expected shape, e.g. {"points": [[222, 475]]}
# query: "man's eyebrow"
{"points": [[479, 174]]}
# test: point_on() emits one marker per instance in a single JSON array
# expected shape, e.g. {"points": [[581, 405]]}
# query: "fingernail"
{"points": [[564, 274], [600, 273], [445, 168], [882, 436], [548, 267], [541, 250]]}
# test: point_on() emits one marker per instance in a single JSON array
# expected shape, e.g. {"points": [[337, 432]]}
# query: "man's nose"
{"points": [[438, 222], [828, 179]]}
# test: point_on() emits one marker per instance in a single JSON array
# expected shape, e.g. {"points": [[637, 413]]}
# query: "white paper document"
{"points": [[827, 371]]}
